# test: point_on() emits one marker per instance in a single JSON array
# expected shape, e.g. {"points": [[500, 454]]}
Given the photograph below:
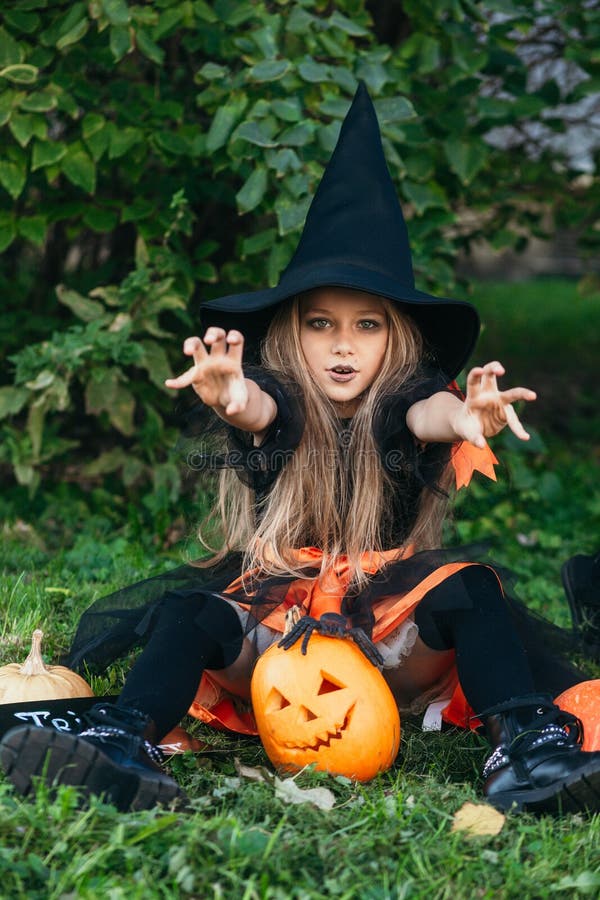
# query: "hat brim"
{"points": [[450, 327]]}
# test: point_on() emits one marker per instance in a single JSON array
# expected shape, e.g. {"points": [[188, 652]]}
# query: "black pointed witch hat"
{"points": [[355, 236]]}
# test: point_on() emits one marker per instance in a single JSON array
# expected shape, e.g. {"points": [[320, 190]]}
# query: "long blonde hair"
{"points": [[330, 495]]}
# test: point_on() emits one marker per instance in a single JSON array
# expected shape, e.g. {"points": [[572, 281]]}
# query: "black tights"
{"points": [[193, 632], [496, 659], [196, 631]]}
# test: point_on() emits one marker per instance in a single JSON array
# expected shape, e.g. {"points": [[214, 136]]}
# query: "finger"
{"points": [[189, 377], [514, 423], [193, 346], [235, 342], [491, 371], [518, 393], [474, 381], [216, 339]]}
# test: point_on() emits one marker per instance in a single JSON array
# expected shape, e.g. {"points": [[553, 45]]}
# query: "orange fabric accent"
{"points": [[458, 712], [220, 709], [467, 458]]}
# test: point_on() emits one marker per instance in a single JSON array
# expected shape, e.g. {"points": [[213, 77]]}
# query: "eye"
{"points": [[369, 324], [318, 323]]}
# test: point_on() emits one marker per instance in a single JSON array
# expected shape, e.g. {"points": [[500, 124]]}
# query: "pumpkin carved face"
{"points": [[331, 708]]}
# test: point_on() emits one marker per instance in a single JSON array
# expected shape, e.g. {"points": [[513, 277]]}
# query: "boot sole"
{"points": [[581, 794], [59, 758]]}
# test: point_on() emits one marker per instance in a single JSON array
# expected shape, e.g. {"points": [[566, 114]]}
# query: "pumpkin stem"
{"points": [[34, 664]]}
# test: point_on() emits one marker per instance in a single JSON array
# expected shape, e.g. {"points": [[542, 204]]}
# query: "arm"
{"points": [[217, 378], [485, 411]]}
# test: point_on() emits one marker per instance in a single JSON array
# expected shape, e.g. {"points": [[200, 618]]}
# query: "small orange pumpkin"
{"points": [[583, 700], [330, 707], [35, 681]]}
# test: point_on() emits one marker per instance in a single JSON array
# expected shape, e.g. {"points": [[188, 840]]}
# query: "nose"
{"points": [[342, 344]]}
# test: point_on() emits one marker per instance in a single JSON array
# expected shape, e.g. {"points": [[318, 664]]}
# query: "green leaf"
{"points": [[13, 176], [430, 55], [79, 168], [8, 230], [101, 220], [224, 122], [423, 197], [204, 12], [84, 308], [12, 400], [8, 100], [46, 154], [167, 22], [91, 123], [394, 109], [299, 21], [121, 140], [156, 362], [171, 142], [39, 102], [465, 158], [349, 26], [116, 11], [22, 21], [373, 74], [120, 42], [106, 393], [291, 213], [33, 228], [289, 110], [20, 74], [258, 242], [254, 133], [74, 34], [283, 161], [24, 126], [314, 72], [211, 71], [269, 70], [253, 190], [10, 51], [35, 427], [299, 135], [147, 46]]}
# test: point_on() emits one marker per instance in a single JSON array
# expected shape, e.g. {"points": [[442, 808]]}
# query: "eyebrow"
{"points": [[360, 312]]}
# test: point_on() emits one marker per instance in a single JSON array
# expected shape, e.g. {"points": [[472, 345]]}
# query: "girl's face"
{"points": [[344, 335]]}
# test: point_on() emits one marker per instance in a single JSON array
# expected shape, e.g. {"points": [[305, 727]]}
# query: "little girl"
{"points": [[342, 443]]}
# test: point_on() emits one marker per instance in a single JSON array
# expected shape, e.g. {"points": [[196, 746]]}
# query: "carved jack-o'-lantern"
{"points": [[583, 700], [330, 707]]}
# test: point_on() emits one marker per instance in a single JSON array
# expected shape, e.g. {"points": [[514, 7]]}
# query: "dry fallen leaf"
{"points": [[478, 818], [253, 773], [287, 789]]}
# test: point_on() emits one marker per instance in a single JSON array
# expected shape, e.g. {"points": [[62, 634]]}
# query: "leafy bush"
{"points": [[108, 110]]}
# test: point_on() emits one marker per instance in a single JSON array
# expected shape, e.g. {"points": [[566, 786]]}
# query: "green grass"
{"points": [[547, 334], [388, 839]]}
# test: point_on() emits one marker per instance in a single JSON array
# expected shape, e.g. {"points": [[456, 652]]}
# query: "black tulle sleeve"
{"points": [[210, 444], [411, 465]]}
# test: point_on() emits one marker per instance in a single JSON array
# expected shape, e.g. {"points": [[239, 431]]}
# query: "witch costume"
{"points": [[197, 623]]}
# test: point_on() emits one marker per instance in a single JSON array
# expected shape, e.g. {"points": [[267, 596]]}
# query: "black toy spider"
{"points": [[329, 625]]}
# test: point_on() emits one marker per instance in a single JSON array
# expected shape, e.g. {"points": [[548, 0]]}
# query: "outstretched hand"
{"points": [[216, 375], [487, 410]]}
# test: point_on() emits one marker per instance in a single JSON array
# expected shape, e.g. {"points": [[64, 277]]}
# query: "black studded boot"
{"points": [[538, 764], [113, 756]]}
